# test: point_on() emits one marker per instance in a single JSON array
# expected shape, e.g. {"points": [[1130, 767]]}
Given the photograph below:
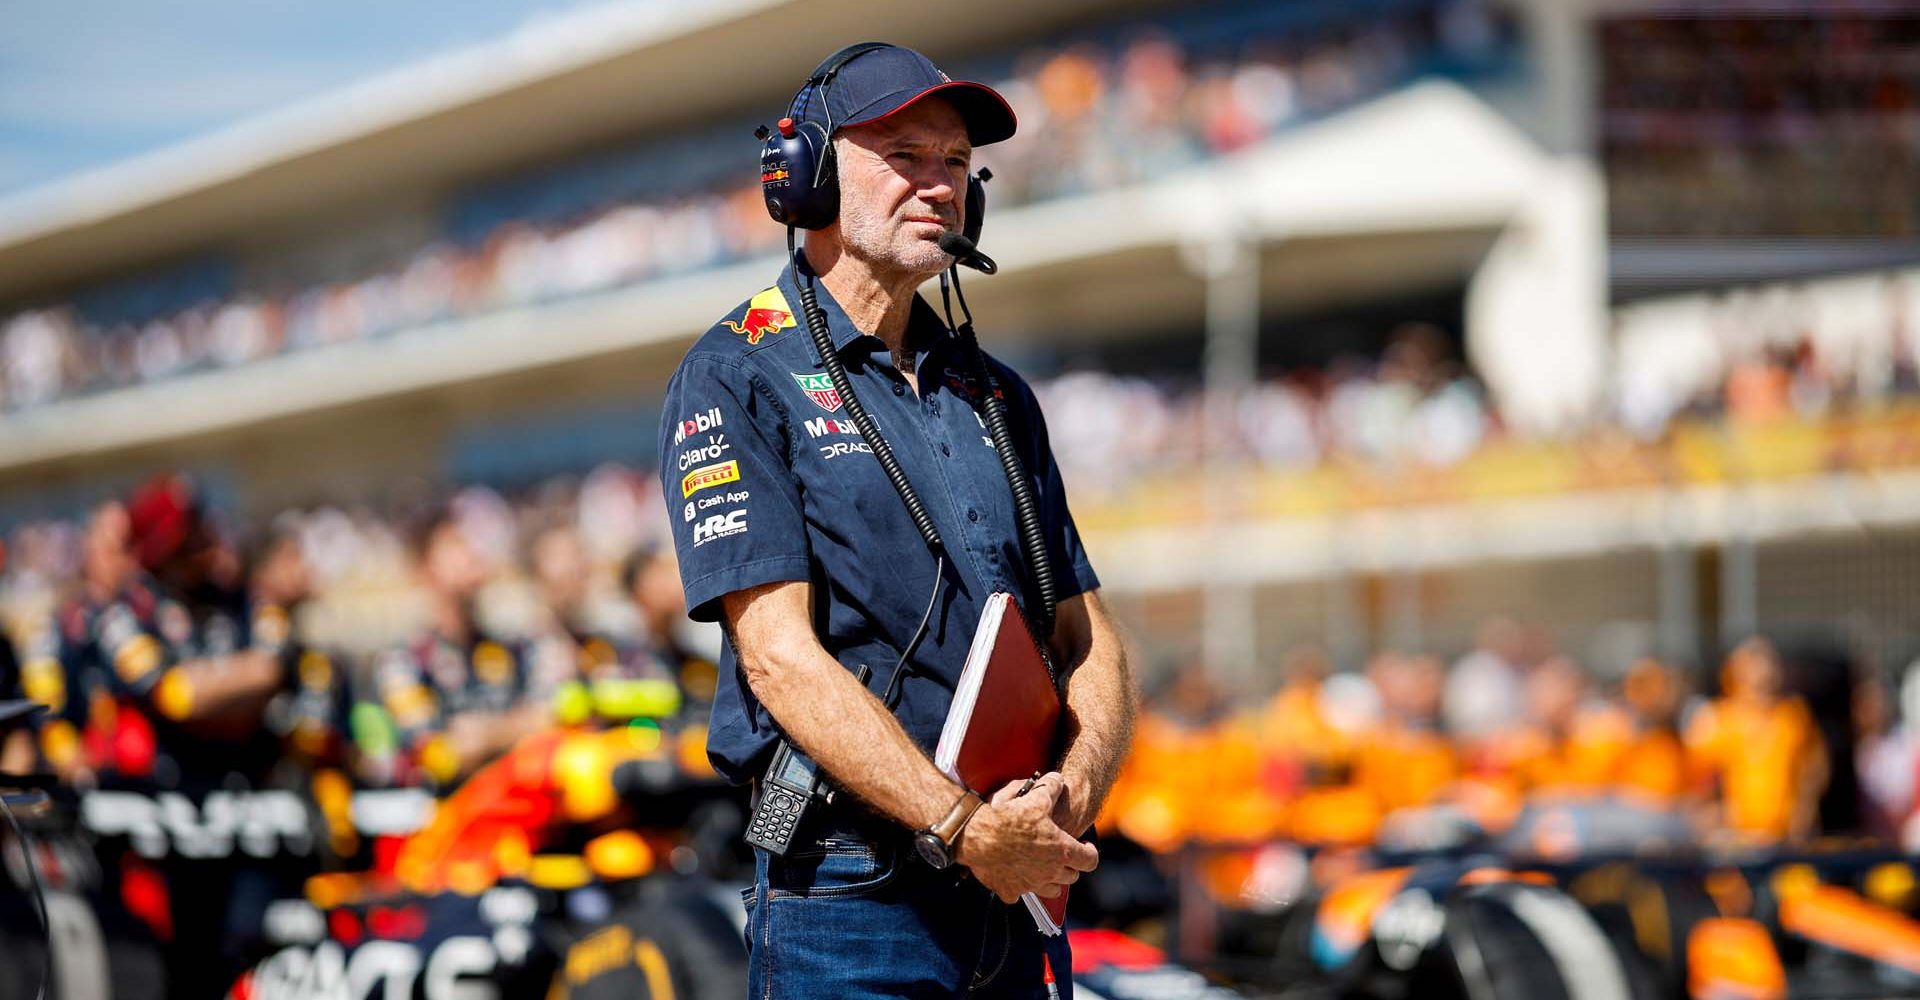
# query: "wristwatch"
{"points": [[935, 843]]}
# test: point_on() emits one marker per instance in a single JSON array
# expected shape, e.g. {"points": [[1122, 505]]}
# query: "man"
{"points": [[456, 696], [790, 535], [1759, 744], [169, 681], [650, 580]]}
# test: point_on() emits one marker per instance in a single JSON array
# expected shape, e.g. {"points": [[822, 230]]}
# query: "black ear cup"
{"points": [[797, 175], [976, 204]]}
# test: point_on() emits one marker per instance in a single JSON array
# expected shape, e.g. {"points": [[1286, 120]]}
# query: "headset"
{"points": [[800, 177], [800, 181]]}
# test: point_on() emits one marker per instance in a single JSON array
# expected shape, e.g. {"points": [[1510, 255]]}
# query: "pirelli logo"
{"points": [[709, 475]]}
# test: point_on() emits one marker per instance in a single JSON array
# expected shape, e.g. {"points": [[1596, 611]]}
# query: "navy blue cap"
{"points": [[875, 79]]}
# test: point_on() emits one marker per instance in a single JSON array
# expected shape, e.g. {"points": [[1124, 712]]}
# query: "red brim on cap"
{"points": [[988, 116]]}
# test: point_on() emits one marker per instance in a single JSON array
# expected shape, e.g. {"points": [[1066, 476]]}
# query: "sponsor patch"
{"points": [[839, 448], [689, 511], [709, 475], [819, 388], [733, 522], [822, 426], [766, 313], [711, 451], [699, 423]]}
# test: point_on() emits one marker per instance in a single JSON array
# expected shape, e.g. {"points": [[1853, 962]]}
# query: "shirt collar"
{"points": [[841, 330]]}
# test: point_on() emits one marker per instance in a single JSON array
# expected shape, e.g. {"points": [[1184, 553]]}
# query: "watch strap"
{"points": [[948, 829]]}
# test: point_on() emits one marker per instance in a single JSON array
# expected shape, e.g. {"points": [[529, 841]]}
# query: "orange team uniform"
{"points": [[1604, 755], [1653, 770], [1404, 766], [1581, 763], [1756, 751], [1293, 726], [1184, 782]]}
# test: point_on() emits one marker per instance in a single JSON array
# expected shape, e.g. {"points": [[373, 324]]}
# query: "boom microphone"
{"points": [[963, 250]]}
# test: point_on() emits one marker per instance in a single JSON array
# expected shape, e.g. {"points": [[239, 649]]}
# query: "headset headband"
{"points": [[824, 76]]}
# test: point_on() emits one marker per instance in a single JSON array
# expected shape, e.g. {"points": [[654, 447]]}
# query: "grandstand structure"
{"points": [[1466, 174]]}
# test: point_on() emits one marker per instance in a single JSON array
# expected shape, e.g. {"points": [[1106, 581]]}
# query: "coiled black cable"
{"points": [[862, 421], [1026, 506], [882, 452]]}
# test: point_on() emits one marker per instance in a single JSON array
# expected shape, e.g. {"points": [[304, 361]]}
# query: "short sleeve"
{"points": [[134, 654], [731, 495], [1063, 536]]}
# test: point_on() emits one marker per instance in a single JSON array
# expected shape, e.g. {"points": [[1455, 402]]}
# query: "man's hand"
{"points": [[1013, 846]]}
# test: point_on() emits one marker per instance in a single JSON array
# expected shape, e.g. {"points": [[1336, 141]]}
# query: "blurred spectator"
{"points": [[1483, 692], [1886, 756], [1109, 117]]}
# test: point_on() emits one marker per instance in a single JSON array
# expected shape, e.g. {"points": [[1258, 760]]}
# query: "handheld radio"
{"points": [[792, 783]]}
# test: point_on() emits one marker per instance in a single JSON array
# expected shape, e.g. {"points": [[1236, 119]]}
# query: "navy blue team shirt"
{"points": [[767, 480]]}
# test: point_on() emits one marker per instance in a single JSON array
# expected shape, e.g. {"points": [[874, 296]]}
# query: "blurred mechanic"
{"points": [[790, 535], [569, 641], [1406, 761], [454, 696], [167, 677], [1758, 742], [650, 579]]}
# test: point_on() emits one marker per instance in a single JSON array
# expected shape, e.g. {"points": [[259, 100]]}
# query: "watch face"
{"points": [[932, 849]]}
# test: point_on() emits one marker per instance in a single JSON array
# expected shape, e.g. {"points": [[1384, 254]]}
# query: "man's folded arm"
{"points": [[1099, 709], [1011, 844], [825, 710]]}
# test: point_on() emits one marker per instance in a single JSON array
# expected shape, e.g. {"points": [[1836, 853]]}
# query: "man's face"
{"points": [[657, 587], [560, 564], [903, 182], [109, 553], [451, 566], [283, 576]]}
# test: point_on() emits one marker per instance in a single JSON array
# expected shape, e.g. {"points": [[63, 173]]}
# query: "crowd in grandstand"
{"points": [[1096, 114], [1705, 119]]}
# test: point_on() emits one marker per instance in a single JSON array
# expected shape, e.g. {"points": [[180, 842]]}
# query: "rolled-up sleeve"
{"points": [[731, 496]]}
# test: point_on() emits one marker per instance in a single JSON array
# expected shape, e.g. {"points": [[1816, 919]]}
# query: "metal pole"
{"points": [[1739, 570], [1678, 631], [1229, 262]]}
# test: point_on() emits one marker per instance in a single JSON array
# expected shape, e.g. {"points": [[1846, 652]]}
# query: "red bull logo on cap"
{"points": [[766, 313]]}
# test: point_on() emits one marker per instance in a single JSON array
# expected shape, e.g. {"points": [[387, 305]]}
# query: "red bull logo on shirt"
{"points": [[766, 313]]}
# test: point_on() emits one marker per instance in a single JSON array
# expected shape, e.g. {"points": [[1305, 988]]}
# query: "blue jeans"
{"points": [[847, 919]]}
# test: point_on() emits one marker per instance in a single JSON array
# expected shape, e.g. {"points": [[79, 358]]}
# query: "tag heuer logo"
{"points": [[819, 388]]}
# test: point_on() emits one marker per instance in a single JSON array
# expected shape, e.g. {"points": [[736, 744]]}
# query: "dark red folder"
{"points": [[1004, 720]]}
